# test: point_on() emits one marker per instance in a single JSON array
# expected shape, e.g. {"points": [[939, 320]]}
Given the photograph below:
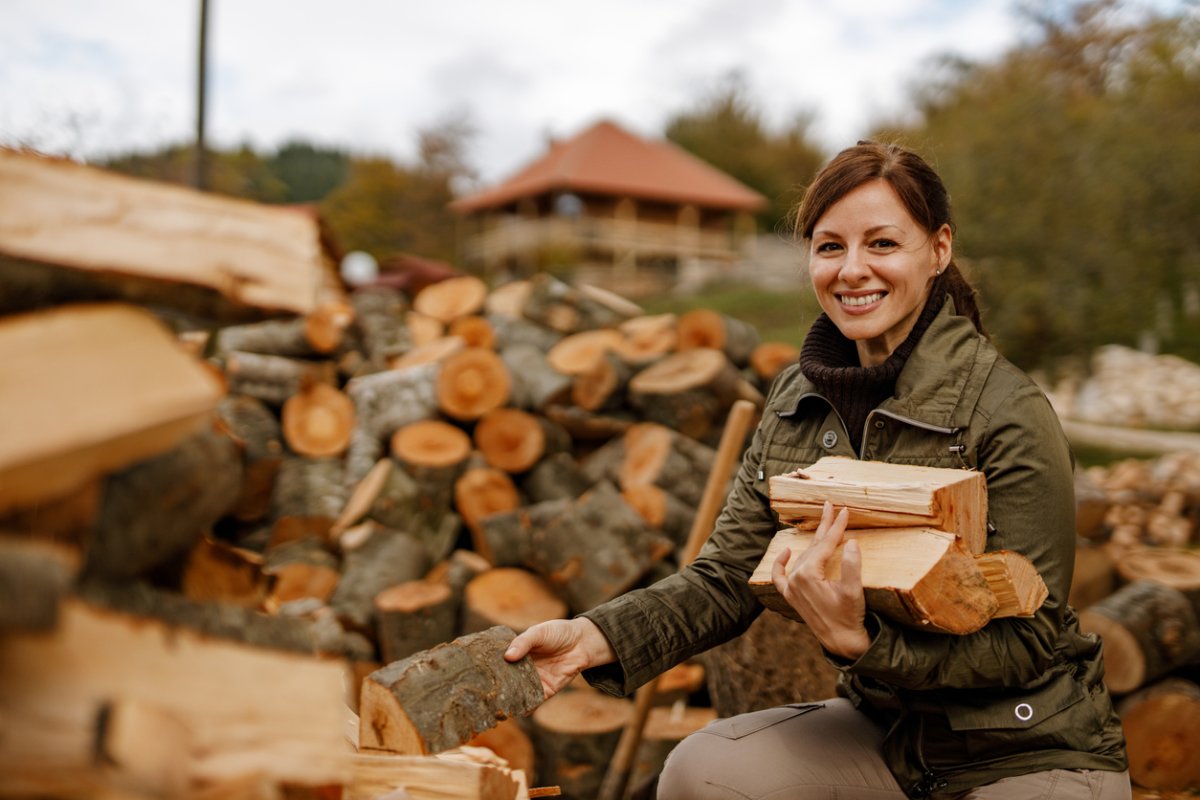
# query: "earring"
{"points": [[939, 272]]}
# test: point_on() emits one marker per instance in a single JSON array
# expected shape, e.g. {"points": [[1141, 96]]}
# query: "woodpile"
{"points": [[217, 468], [1126, 387]]}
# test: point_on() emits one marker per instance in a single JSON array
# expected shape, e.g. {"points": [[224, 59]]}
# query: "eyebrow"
{"points": [[868, 232]]}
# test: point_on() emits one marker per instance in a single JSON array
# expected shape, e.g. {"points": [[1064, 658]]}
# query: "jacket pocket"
{"points": [[1054, 716], [745, 724]]}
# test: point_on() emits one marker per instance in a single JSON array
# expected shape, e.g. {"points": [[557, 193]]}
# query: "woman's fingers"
{"points": [[852, 566]]}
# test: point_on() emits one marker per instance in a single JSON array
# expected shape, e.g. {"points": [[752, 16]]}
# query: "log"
{"points": [[362, 497], [1171, 566], [656, 456], [255, 428], [318, 421], [510, 742], [384, 402], [536, 384], [219, 572], [568, 309], [507, 299], [423, 329], [308, 496], [471, 383], [881, 495], [646, 339], [512, 331], [662, 510], [480, 492], [385, 558], [575, 735], [918, 577], [304, 574], [665, 728], [458, 570], [452, 298], [434, 351], [380, 776], [509, 596], [414, 616], [514, 440], [433, 453], [1014, 581], [690, 391], [602, 387], [442, 697], [1148, 630], [768, 359], [144, 395], [35, 576], [72, 232], [316, 334], [1162, 734], [420, 508], [598, 549], [379, 321], [555, 477], [584, 426], [56, 690], [1094, 577], [158, 508], [474, 330], [703, 327], [580, 352], [273, 379]]}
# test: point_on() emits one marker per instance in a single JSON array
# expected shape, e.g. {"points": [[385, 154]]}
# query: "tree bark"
{"points": [[575, 734], [387, 557], [690, 391], [556, 477], [657, 456], [255, 427], [273, 379], [536, 384], [414, 616]]}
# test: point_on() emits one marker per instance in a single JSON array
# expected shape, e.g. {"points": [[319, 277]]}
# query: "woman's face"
{"points": [[871, 264]]}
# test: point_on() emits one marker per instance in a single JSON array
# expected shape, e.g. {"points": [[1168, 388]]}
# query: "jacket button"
{"points": [[829, 440], [878, 424], [1024, 712]]}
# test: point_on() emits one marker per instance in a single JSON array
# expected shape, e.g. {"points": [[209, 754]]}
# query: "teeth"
{"points": [[862, 300]]}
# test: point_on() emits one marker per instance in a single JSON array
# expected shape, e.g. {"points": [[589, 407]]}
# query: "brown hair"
{"points": [[918, 186]]}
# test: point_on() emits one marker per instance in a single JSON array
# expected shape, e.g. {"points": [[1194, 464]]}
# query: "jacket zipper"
{"points": [[929, 782]]}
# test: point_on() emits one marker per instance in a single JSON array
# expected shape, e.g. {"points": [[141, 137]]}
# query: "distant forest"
{"points": [[1073, 161]]}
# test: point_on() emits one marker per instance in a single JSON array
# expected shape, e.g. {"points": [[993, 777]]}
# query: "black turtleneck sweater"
{"points": [[830, 361]]}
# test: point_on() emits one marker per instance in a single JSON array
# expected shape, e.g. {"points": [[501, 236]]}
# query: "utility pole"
{"points": [[200, 154]]}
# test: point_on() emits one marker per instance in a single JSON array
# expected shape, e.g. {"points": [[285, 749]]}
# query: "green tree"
{"points": [[308, 172]]}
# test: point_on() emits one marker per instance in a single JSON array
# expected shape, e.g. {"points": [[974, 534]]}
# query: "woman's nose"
{"points": [[854, 265]]}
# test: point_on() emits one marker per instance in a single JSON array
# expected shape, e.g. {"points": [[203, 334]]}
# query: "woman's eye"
{"points": [[828, 247], [883, 244]]}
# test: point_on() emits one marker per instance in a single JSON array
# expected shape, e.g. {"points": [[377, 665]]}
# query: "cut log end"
{"points": [[471, 383], [318, 421], [431, 443]]}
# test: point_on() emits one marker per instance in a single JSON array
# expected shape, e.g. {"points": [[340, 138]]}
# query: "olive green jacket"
{"points": [[1020, 695]]}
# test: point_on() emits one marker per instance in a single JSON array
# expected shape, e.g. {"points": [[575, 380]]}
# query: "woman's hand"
{"points": [[561, 649], [834, 609]]}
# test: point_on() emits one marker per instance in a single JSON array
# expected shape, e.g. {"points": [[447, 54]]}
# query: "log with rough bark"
{"points": [[654, 455], [384, 558], [142, 396], [315, 334], [769, 359], [662, 510], [536, 384], [318, 421], [384, 402], [307, 497], [881, 494], [602, 387], [587, 427], [918, 577], [479, 493], [690, 391], [1012, 577], [257, 430], [35, 575], [387, 776], [578, 353], [471, 383], [218, 571], [507, 536], [58, 690], [1148, 629], [703, 327], [514, 440], [599, 548], [575, 734], [452, 298], [555, 477], [418, 506], [1162, 734], [442, 697], [71, 232], [379, 313], [414, 616], [509, 596], [158, 508], [273, 379], [569, 309]]}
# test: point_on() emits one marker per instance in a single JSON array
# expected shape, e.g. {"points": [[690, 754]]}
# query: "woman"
{"points": [[898, 369]]}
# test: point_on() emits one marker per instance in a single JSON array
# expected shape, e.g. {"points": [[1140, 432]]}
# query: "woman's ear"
{"points": [[943, 246]]}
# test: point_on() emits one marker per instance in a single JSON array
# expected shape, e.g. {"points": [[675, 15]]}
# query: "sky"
{"points": [[88, 78]]}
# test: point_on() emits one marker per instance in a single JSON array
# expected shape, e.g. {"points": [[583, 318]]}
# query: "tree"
{"points": [[310, 173]]}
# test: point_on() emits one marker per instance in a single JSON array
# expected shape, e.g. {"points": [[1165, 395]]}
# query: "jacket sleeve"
{"points": [[1028, 466], [702, 606]]}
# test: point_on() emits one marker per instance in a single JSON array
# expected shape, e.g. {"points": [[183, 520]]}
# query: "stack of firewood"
{"points": [[1127, 387]]}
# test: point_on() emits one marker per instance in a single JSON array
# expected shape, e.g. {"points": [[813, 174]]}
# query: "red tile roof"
{"points": [[605, 159]]}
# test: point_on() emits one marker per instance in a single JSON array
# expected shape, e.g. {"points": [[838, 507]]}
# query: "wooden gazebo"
{"points": [[611, 209]]}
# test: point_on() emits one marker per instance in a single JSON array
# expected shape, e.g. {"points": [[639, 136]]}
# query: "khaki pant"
{"points": [[829, 751]]}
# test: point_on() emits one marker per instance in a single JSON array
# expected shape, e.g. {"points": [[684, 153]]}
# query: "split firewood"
{"points": [[379, 313], [442, 697], [578, 353], [304, 574], [598, 549], [144, 395], [273, 379], [1148, 628], [514, 440], [452, 298], [690, 391], [602, 387], [1094, 577], [196, 252], [556, 476], [474, 330], [256, 429], [315, 334], [217, 571], [646, 339], [654, 455], [431, 352], [662, 510], [880, 494], [1162, 734], [158, 508], [471, 383], [918, 577], [458, 570], [703, 327], [666, 726], [768, 359], [510, 743], [574, 736], [568, 309], [387, 776], [35, 576], [1014, 580], [585, 426], [57, 689], [423, 329], [535, 383], [507, 299], [414, 616], [510, 596], [318, 421], [480, 492], [384, 558]]}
